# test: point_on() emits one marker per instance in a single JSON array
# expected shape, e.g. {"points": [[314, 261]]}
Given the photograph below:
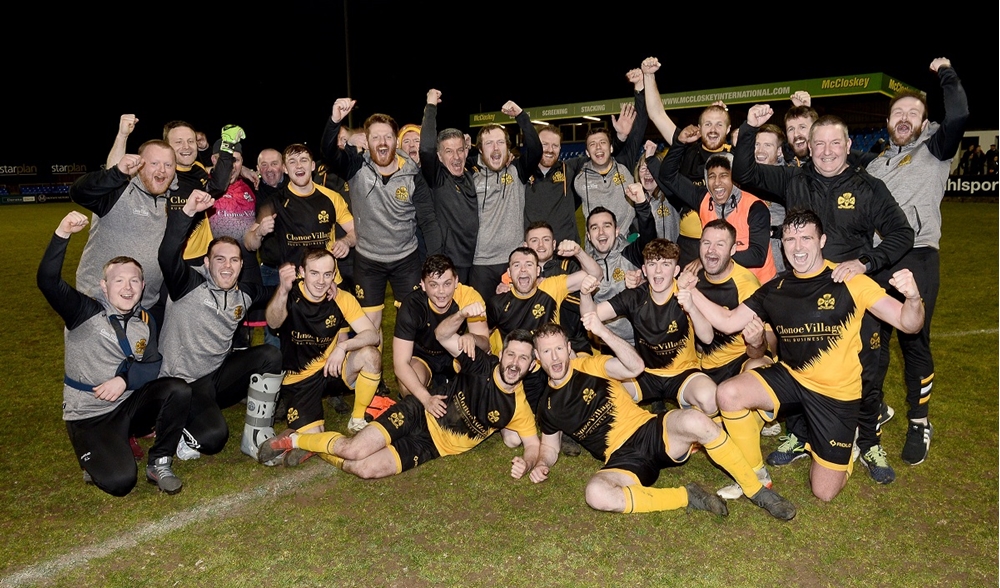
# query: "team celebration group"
{"points": [[744, 279]]}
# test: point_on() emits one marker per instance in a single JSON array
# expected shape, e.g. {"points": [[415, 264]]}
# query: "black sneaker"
{"points": [[570, 447], [158, 472], [790, 450], [918, 442], [776, 505], [700, 499], [338, 404]]}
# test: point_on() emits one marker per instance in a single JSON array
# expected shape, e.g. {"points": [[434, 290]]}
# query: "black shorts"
{"points": [[832, 422], [441, 367], [724, 372], [405, 428], [305, 398], [644, 454], [653, 387], [370, 278]]}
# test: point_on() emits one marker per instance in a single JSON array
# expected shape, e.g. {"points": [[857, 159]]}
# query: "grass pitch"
{"points": [[462, 520]]}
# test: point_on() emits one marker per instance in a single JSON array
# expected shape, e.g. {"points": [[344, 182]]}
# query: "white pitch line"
{"points": [[218, 508], [963, 333]]}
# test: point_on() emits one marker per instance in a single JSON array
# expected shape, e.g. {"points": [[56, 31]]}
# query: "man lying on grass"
{"points": [[487, 395]]}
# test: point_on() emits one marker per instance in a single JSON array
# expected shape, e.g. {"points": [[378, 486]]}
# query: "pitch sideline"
{"points": [[227, 505]]}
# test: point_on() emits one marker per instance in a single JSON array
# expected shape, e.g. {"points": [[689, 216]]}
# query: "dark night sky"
{"points": [[278, 77]]}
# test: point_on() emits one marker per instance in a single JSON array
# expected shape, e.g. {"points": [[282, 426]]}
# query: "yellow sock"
{"points": [[723, 451], [744, 429], [319, 443], [645, 499], [364, 391]]}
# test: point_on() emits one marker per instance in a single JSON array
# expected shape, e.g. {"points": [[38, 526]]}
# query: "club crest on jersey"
{"points": [[827, 302], [845, 201], [506, 179], [876, 341], [330, 321], [618, 275], [359, 292], [402, 194], [618, 179], [588, 395], [323, 216], [537, 311], [493, 416], [347, 187], [905, 161], [293, 415], [673, 327], [662, 211], [396, 419], [140, 346], [558, 177], [238, 312]]}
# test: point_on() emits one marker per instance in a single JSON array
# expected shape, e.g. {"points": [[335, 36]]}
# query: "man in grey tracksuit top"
{"points": [[110, 387], [500, 186], [205, 306], [915, 168], [389, 201], [129, 202]]}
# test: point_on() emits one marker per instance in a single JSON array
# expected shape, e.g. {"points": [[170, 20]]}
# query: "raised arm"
{"points": [[99, 191], [428, 136], [907, 316], [747, 173], [277, 308], [654, 104], [670, 178], [126, 124], [72, 306], [179, 277], [531, 151], [588, 267], [631, 147], [343, 162], [626, 364], [945, 142]]}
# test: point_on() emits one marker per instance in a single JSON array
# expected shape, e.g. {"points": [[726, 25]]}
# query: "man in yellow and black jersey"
{"points": [[817, 321], [586, 400], [301, 215], [727, 283], [485, 396], [531, 301], [664, 331], [417, 357], [312, 317]]}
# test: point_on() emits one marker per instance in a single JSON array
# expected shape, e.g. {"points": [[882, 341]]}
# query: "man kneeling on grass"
{"points": [[586, 399], [486, 396], [110, 389]]}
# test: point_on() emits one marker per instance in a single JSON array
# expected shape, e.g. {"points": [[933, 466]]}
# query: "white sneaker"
{"points": [[772, 430], [184, 450], [355, 425], [734, 491]]}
